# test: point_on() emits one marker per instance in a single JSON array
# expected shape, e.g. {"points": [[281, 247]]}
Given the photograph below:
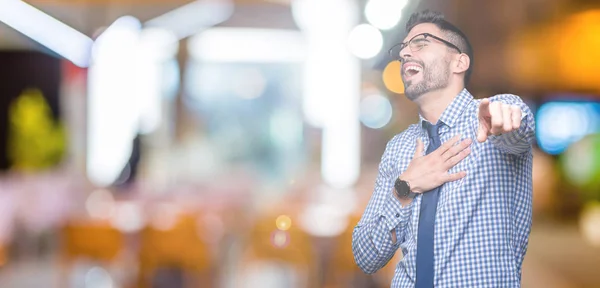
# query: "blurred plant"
{"points": [[35, 140], [581, 166]]}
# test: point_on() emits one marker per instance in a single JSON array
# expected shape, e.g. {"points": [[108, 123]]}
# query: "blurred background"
{"points": [[235, 143]]}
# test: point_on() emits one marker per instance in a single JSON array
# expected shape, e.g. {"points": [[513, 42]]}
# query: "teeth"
{"points": [[414, 68]]}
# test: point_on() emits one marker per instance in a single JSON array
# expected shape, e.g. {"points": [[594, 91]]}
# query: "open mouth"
{"points": [[411, 70]]}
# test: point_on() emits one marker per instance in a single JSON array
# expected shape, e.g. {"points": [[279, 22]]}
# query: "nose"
{"points": [[405, 53]]}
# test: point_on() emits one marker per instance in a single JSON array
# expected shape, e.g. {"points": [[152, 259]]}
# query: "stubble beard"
{"points": [[435, 77]]}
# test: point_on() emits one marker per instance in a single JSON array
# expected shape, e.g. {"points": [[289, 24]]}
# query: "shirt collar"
{"points": [[454, 110]]}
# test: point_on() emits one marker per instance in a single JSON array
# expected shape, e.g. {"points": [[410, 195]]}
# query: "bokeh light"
{"points": [[98, 277], [392, 79], [559, 124], [165, 216], [280, 239], [323, 220], [128, 217], [590, 223], [581, 164], [365, 41], [576, 50], [375, 111], [384, 14], [283, 222], [100, 204]]}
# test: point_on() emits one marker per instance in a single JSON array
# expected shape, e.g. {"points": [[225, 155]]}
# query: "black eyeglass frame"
{"points": [[404, 44]]}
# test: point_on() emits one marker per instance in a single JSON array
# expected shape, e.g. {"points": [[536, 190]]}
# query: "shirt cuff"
{"points": [[395, 216]]}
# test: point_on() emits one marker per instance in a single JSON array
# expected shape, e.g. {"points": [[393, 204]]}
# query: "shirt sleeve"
{"points": [[372, 244], [519, 141]]}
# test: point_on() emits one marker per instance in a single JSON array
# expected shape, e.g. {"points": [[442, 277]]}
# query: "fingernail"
{"points": [[468, 140]]}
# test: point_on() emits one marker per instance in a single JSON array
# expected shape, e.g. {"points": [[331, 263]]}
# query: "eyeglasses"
{"points": [[417, 43]]}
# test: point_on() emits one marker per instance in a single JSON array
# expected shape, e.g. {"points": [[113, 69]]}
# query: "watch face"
{"points": [[402, 188]]}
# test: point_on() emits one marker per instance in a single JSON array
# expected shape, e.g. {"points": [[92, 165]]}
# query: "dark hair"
{"points": [[453, 34]]}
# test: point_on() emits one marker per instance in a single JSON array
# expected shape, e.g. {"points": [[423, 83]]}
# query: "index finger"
{"points": [[484, 107], [448, 144], [419, 149]]}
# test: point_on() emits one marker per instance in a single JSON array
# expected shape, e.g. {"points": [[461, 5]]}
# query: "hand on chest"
{"points": [[446, 134]]}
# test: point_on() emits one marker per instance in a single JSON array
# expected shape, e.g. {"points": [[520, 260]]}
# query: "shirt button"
{"points": [[397, 215]]}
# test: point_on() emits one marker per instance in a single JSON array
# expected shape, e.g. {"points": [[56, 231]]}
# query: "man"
{"points": [[454, 191]]}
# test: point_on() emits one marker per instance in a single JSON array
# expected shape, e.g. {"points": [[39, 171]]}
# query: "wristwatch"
{"points": [[403, 189]]}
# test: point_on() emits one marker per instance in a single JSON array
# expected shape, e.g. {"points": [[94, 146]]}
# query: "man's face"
{"points": [[427, 69]]}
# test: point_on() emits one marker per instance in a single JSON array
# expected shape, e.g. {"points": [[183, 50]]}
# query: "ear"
{"points": [[462, 63]]}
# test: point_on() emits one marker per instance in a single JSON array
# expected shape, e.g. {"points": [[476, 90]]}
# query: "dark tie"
{"points": [[429, 202]]}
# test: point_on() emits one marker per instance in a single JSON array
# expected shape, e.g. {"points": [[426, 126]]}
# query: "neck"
{"points": [[431, 105]]}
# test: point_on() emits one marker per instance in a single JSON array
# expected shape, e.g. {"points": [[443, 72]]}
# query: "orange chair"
{"points": [[97, 241], [341, 267], [267, 243], [179, 246]]}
